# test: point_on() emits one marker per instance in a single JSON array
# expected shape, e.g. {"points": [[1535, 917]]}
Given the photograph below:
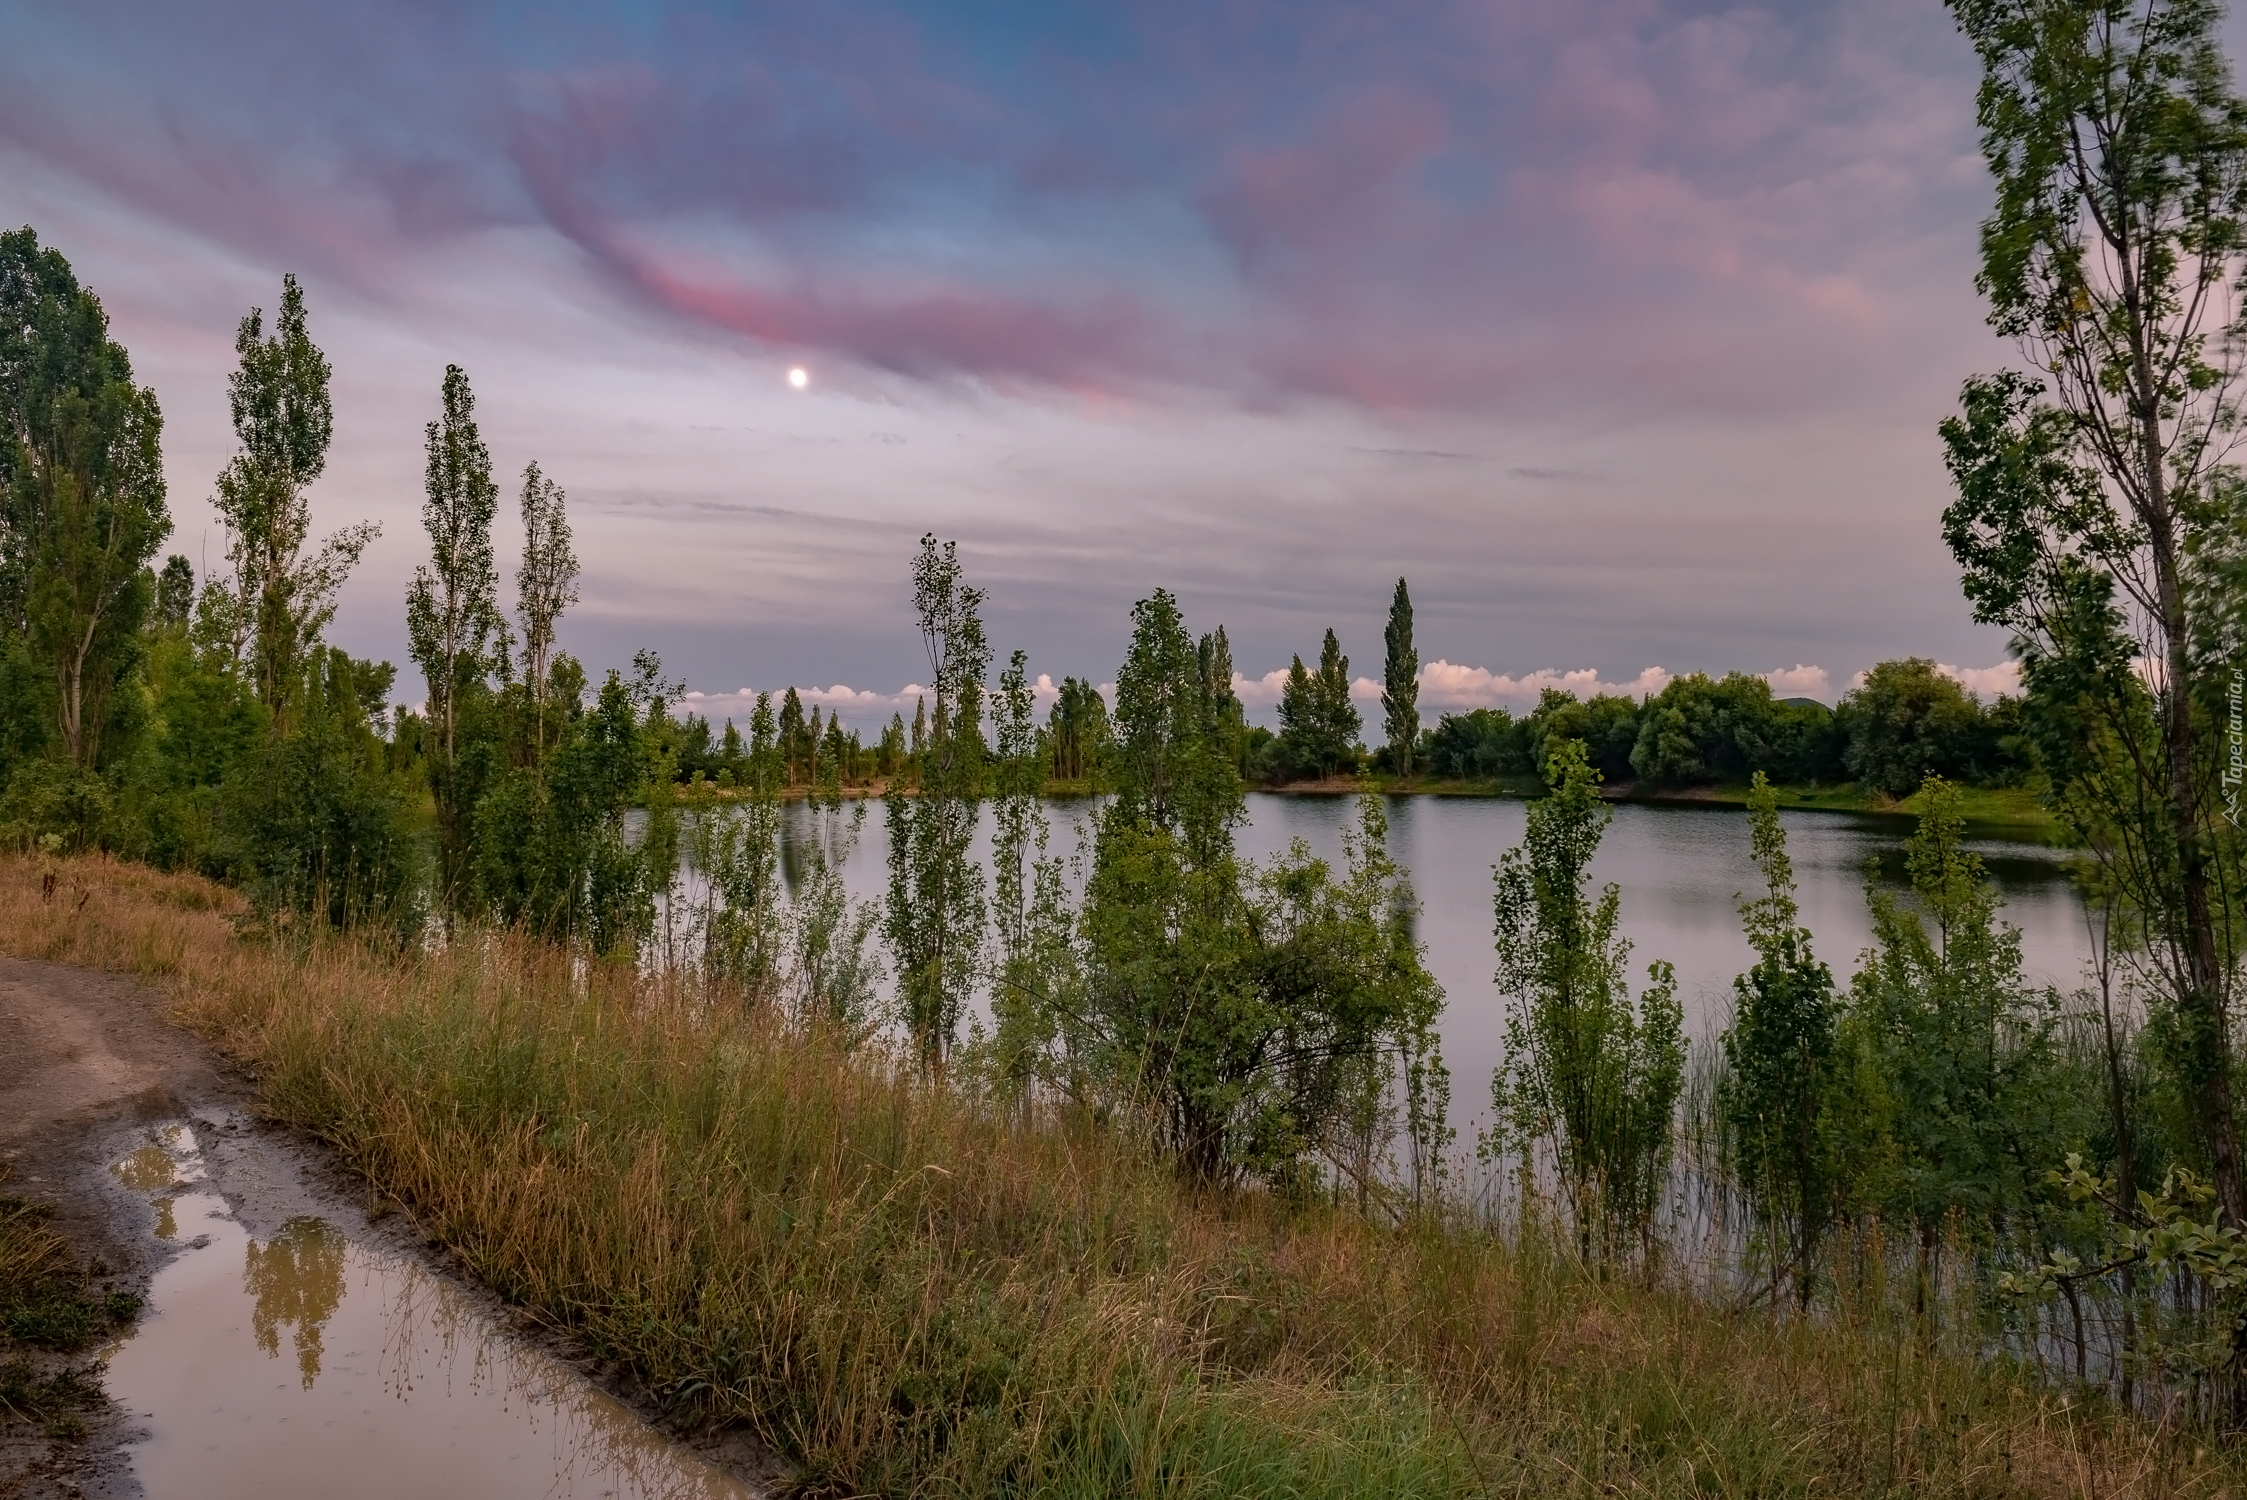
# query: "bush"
{"points": [[53, 804], [314, 823]]}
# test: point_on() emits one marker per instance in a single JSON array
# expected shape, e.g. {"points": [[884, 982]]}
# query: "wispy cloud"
{"points": [[1608, 325]]}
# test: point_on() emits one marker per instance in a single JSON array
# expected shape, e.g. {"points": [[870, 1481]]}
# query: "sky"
{"points": [[1620, 330]]}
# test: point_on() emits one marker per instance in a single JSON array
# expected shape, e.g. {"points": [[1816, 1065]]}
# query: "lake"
{"points": [[1682, 869]]}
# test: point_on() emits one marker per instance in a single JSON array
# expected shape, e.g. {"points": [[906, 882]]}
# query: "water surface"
{"points": [[1682, 870], [303, 1364]]}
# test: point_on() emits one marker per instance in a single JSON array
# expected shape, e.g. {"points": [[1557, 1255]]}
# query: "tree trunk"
{"points": [[2202, 1001]]}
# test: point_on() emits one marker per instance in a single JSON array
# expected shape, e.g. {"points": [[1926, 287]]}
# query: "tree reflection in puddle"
{"points": [[401, 1385], [297, 1280]]}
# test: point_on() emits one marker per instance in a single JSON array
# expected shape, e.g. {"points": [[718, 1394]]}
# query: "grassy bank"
{"points": [[909, 1292]]}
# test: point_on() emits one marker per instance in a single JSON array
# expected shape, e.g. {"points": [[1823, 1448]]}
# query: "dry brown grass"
{"points": [[909, 1292]]}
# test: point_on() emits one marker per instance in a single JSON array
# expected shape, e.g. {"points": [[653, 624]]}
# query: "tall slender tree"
{"points": [[282, 596], [1318, 722], [1339, 718], [545, 583], [1590, 1073], [1400, 690], [2098, 518], [453, 624], [1779, 1060], [452, 606], [82, 506], [790, 735], [935, 914], [1228, 719]]}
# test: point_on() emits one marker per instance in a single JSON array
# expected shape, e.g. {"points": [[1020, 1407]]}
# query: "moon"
{"points": [[799, 377]]}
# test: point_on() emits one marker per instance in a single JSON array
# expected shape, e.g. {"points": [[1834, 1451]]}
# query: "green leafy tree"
{"points": [[1077, 731], [1606, 725], [175, 593], [1251, 1012], [545, 585], [1033, 981], [1779, 1062], [2095, 510], [1480, 743], [82, 507], [1907, 722], [1591, 1074], [935, 915], [452, 606], [317, 824], [282, 595], [1953, 1098], [552, 848], [453, 624], [889, 759], [1318, 722], [1400, 692], [795, 760]]}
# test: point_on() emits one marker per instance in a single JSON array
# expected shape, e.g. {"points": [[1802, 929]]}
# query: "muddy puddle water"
{"points": [[306, 1365]]}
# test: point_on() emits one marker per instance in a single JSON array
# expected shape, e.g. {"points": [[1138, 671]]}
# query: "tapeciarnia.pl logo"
{"points": [[2235, 741]]}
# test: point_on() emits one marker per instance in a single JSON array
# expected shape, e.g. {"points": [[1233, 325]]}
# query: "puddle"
{"points": [[306, 1365]]}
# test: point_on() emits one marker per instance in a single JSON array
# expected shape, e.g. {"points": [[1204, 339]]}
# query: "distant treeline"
{"points": [[1906, 722]]}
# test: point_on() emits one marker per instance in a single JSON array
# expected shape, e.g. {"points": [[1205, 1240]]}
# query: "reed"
{"points": [[909, 1290]]}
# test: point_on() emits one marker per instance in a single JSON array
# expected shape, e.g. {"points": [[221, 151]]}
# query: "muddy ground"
{"points": [[89, 1066]]}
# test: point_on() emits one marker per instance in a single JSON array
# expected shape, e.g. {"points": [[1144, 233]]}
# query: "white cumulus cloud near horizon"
{"points": [[860, 705], [1444, 687], [2001, 680]]}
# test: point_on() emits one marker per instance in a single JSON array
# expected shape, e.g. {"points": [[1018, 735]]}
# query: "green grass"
{"points": [[46, 1301], [48, 1304], [2013, 807]]}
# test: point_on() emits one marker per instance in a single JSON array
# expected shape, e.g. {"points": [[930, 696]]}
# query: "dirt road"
{"points": [[84, 1059]]}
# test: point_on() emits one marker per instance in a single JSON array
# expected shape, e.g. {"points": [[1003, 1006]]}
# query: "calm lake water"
{"points": [[1682, 870]]}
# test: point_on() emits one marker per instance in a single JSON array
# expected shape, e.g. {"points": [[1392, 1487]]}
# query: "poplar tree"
{"points": [[1590, 1074], [453, 624], [1339, 718], [1224, 705], [82, 504], [1400, 692], [1032, 918], [934, 917], [1318, 722], [790, 734], [282, 596], [175, 592], [1076, 729], [2098, 517], [1779, 1061], [546, 585]]}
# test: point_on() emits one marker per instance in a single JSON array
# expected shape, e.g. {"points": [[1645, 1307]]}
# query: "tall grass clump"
{"points": [[909, 1290]]}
